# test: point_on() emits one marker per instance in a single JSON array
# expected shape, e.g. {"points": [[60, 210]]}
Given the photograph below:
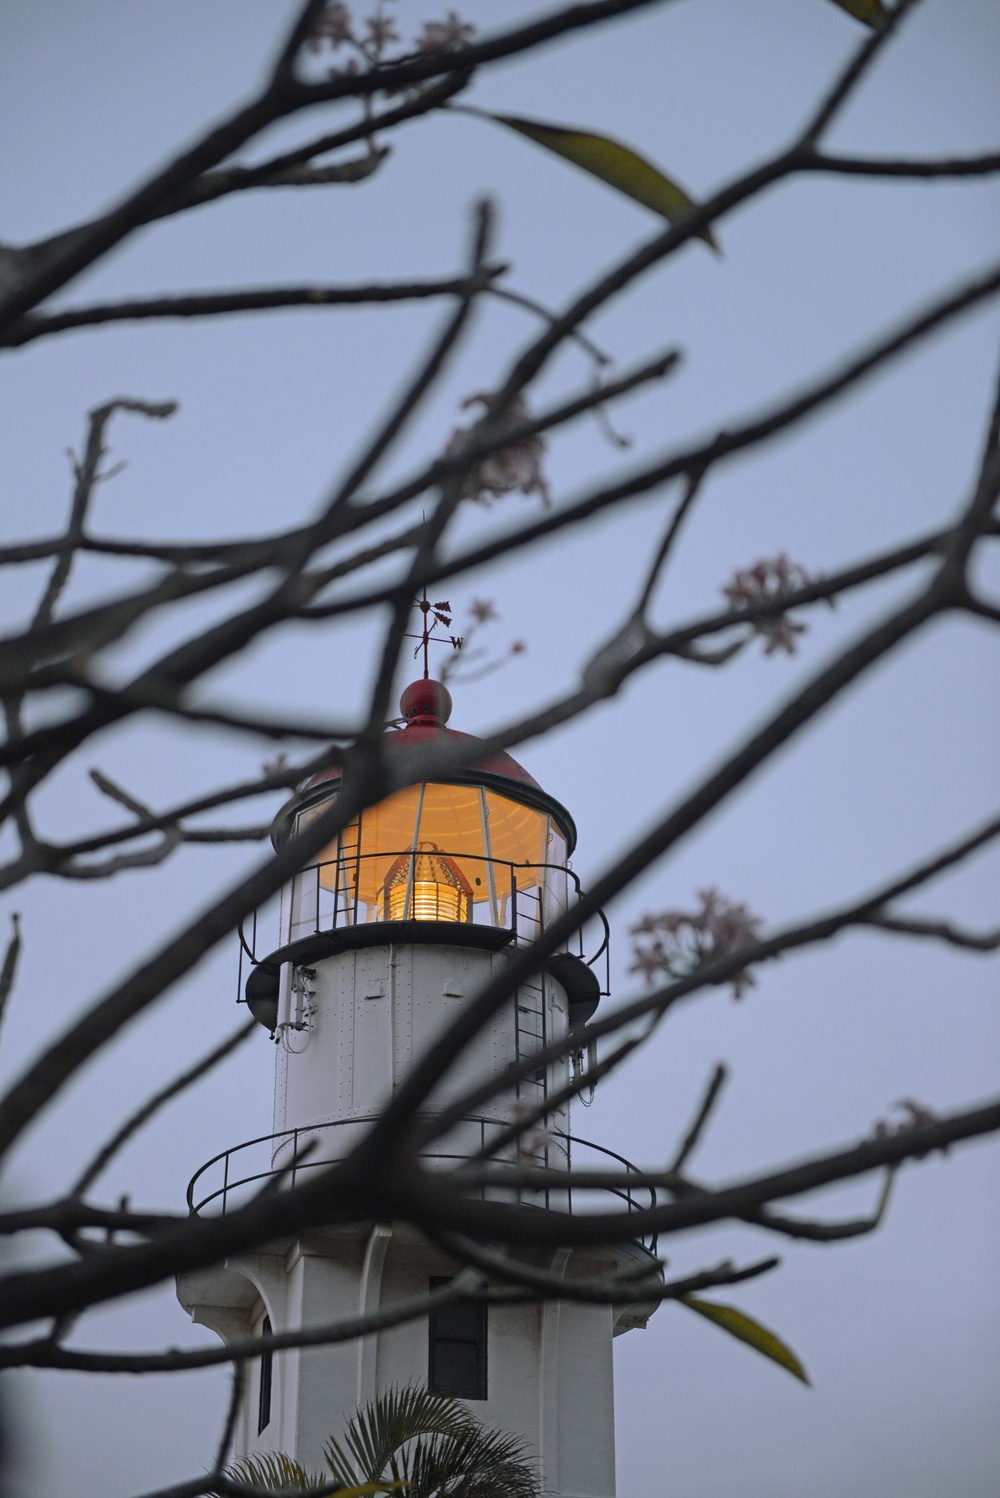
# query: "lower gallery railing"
{"points": [[277, 1161]]}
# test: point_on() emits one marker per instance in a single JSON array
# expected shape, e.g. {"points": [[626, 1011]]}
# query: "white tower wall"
{"points": [[368, 1013], [351, 1026]]}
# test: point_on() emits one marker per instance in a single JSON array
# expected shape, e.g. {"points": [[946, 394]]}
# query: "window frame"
{"points": [[477, 1313], [265, 1380]]}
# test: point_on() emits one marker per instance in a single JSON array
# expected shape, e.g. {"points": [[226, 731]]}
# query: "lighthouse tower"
{"points": [[402, 919]]}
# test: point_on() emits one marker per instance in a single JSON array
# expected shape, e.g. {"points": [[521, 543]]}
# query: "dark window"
{"points": [[456, 1362], [266, 1369]]}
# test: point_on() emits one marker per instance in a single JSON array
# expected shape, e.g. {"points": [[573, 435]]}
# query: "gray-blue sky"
{"points": [[899, 1332]]}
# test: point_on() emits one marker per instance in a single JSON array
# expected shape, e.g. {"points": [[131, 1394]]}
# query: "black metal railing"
{"points": [[521, 899], [237, 1180]]}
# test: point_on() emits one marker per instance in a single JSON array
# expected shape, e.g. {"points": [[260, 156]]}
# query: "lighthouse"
{"points": [[372, 952]]}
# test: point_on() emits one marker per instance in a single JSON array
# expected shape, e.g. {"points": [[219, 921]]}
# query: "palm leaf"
{"points": [[431, 1446], [745, 1329], [475, 1463], [385, 1425], [277, 1473]]}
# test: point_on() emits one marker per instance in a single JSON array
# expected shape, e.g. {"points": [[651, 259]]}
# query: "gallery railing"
{"points": [[235, 1176], [519, 899]]}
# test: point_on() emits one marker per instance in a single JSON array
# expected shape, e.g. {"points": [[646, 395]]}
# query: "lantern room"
{"points": [[478, 858], [486, 847]]}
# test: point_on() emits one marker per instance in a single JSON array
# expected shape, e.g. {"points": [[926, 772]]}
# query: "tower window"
{"points": [[456, 1362], [264, 1389]]}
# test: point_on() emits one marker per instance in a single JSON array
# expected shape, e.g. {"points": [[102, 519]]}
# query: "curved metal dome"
{"points": [[425, 707]]}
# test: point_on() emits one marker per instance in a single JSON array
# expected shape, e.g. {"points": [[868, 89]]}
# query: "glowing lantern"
{"points": [[426, 886], [484, 846]]}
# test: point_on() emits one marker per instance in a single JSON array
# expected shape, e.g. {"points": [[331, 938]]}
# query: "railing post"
{"points": [[569, 1169]]}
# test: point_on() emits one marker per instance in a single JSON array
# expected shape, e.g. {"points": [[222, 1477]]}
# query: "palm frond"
{"points": [[383, 1427], [277, 1473], [432, 1446], [474, 1463]]}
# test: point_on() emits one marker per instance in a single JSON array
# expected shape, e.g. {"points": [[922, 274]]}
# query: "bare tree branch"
{"points": [[142, 1115], [955, 936], [226, 303], [8, 973], [698, 1124]]}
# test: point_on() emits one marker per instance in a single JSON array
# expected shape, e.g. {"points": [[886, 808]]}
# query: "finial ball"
{"points": [[423, 700]]}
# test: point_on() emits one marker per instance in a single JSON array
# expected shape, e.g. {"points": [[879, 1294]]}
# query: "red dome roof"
{"points": [[426, 706]]}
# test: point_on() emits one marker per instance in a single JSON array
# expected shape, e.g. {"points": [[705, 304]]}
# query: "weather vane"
{"points": [[434, 615]]}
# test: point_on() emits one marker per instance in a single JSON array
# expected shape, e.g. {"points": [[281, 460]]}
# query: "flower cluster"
{"points": [[370, 38], [509, 470], [765, 582], [446, 35], [676, 943]]}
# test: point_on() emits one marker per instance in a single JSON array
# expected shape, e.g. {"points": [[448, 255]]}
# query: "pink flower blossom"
{"points": [[380, 33], [764, 582], [509, 470], [675, 943], [446, 35]]}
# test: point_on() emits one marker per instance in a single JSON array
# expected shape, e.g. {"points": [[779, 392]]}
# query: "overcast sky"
{"points": [[900, 1333]]}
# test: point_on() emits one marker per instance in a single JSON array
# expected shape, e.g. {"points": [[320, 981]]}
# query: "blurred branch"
{"points": [[8, 973], [890, 166], [237, 1386], [226, 303], [44, 1354], [717, 971], [87, 476], [954, 936], [430, 1203], [706, 1108], [36, 271], [142, 1115]]}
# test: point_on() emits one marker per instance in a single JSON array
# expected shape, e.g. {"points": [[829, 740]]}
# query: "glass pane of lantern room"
{"points": [[518, 844], [556, 878], [451, 825], [517, 835], [468, 848]]}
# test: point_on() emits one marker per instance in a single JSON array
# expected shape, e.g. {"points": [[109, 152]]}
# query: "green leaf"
{"points": [[276, 1473], [872, 12], [745, 1329], [431, 1444], [618, 165]]}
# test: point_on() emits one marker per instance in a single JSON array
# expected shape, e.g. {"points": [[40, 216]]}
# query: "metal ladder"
{"points": [[530, 1036]]}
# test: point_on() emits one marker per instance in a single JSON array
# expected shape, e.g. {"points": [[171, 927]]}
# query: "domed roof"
{"points": [[425, 707]]}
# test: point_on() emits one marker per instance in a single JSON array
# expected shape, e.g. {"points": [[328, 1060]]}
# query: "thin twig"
{"points": [[228, 303], [159, 1100], [691, 1139], [232, 1415], [8, 973], [938, 930]]}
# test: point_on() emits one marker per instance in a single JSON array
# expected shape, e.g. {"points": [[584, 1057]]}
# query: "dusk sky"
{"points": [[900, 1332]]}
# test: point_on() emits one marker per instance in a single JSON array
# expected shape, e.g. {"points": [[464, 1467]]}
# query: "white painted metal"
{"points": [[350, 1029]]}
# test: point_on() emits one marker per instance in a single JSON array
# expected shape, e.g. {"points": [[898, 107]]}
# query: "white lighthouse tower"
{"points": [[401, 920]]}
